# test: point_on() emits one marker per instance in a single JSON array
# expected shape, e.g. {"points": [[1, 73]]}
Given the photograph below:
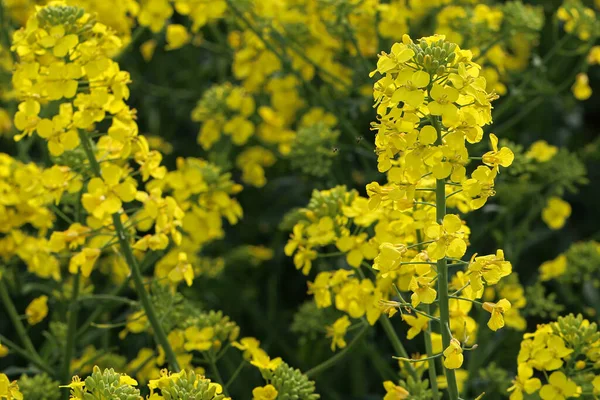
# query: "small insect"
{"points": [[335, 149], [359, 139]]}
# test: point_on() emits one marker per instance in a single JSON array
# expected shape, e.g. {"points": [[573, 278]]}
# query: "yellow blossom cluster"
{"points": [[566, 351], [431, 102]]}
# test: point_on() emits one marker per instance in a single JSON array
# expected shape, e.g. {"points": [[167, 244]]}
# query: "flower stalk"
{"points": [[442, 270], [159, 332]]}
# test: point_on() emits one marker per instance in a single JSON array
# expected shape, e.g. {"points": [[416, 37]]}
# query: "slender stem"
{"points": [[417, 262], [339, 356], [108, 297], [159, 332], [149, 260], [440, 199], [71, 332], [17, 323], [431, 365], [212, 362], [26, 355], [138, 280], [453, 193], [428, 345], [61, 214], [416, 360], [235, 374], [465, 299], [396, 343], [419, 244]]}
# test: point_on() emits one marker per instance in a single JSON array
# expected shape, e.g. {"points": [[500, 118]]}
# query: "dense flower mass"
{"points": [[193, 206]]}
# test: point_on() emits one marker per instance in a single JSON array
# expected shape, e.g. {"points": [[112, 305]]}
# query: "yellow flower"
{"points": [[524, 382], [553, 268], [417, 324], [497, 310], [461, 378], [267, 392], [443, 104], [389, 258], [73, 237], [154, 13], [9, 390], [177, 36], [596, 384], [480, 186], [84, 261], [581, 88], [125, 379], [26, 118], [448, 238], [559, 387], [394, 392], [3, 350], [248, 345], [198, 339], [261, 359], [337, 332], [60, 43], [549, 352], [358, 248], [556, 213], [320, 289], [453, 357], [490, 268], [410, 87], [105, 195], [183, 270], [422, 289], [541, 151], [594, 54], [495, 158], [147, 49], [37, 310], [389, 62]]}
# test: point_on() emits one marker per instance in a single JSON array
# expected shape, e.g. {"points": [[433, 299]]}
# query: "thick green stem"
{"points": [[440, 202], [159, 332], [71, 332]]}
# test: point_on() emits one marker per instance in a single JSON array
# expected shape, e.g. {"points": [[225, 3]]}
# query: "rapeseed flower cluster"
{"points": [[105, 211], [431, 102]]}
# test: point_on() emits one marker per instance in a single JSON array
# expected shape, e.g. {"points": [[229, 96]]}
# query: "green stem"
{"points": [[108, 297], [235, 374], [429, 350], [159, 333], [416, 360], [18, 324], [71, 332], [442, 268], [149, 260], [435, 395], [217, 375], [26, 355], [396, 343], [339, 356], [452, 296]]}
